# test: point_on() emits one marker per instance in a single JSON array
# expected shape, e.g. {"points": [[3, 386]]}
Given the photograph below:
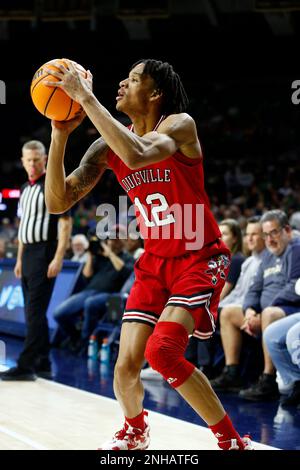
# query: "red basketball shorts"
{"points": [[187, 281]]}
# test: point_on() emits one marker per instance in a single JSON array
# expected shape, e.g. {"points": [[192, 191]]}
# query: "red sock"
{"points": [[224, 432], [138, 421]]}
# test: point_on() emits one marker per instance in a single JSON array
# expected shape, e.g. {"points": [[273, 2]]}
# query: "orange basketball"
{"points": [[53, 102]]}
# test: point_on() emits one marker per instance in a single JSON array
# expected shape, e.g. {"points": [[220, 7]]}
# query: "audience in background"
{"points": [[107, 267], [272, 295], [282, 340], [231, 316], [79, 246], [232, 237]]}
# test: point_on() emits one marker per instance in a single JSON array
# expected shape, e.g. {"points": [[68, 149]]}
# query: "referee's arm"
{"points": [[64, 234], [18, 266]]}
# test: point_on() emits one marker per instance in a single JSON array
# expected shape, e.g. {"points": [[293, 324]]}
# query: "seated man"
{"points": [[79, 245], [270, 297], [95, 306], [283, 345], [106, 271], [231, 309]]}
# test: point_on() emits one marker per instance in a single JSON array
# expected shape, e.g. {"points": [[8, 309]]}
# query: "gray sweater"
{"points": [[248, 271], [274, 282]]}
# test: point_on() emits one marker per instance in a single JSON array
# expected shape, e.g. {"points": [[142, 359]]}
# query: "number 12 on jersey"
{"points": [[161, 206]]}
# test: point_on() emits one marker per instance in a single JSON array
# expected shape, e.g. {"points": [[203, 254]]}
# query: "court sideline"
{"points": [[45, 415]]}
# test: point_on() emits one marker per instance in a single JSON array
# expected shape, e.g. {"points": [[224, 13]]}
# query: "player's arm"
{"points": [[178, 131], [63, 192]]}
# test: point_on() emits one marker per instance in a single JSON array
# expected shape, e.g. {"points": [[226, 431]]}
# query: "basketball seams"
{"points": [[40, 79], [70, 109], [49, 99]]}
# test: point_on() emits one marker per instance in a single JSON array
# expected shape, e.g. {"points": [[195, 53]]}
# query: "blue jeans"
{"points": [[93, 305], [94, 309], [68, 312], [282, 339]]}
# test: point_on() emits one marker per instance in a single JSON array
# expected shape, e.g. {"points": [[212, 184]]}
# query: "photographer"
{"points": [[105, 271]]}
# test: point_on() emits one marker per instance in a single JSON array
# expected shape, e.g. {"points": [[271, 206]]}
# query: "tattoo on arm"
{"points": [[90, 170], [86, 176]]}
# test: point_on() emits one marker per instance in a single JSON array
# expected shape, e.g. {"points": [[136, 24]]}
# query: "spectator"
{"points": [[282, 340], [232, 237], [7, 229], [105, 271], [231, 310], [272, 295], [295, 220], [93, 314], [79, 247]]}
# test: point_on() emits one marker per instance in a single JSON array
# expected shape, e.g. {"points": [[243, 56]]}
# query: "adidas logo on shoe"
{"points": [[171, 380]]}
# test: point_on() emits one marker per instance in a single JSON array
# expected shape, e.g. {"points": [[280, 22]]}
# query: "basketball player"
{"points": [[158, 161]]}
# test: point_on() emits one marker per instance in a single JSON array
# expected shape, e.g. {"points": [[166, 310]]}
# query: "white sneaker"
{"points": [[150, 374], [284, 388], [129, 438], [234, 445]]}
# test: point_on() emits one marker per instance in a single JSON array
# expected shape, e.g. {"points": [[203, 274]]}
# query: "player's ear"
{"points": [[156, 94]]}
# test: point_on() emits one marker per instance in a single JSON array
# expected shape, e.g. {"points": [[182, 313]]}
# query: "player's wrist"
{"points": [[59, 134], [86, 98]]}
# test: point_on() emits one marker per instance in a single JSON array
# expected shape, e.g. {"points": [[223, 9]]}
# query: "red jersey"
{"points": [[171, 205]]}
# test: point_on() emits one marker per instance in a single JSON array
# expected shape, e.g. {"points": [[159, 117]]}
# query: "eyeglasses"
{"points": [[273, 234]]}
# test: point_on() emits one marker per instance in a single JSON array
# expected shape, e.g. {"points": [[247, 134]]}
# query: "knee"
{"points": [[293, 344], [126, 370], [88, 303], [271, 314], [228, 314], [59, 313], [156, 352], [163, 348], [225, 315], [165, 353]]}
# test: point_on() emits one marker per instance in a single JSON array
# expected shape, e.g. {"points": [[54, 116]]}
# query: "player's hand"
{"points": [[66, 127], [18, 269], [54, 268], [71, 81]]}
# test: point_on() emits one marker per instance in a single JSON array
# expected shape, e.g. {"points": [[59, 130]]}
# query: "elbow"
{"points": [[133, 166], [134, 161], [55, 209]]}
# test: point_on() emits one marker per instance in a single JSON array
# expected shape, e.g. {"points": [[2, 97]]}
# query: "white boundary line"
{"points": [[20, 437], [170, 418]]}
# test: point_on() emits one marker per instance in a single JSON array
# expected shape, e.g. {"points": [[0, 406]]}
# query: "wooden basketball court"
{"points": [[46, 415]]}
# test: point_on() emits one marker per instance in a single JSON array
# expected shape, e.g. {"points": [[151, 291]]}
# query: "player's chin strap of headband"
{"points": [[159, 122]]}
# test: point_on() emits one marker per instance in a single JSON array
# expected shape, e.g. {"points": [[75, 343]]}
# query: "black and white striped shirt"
{"points": [[36, 224]]}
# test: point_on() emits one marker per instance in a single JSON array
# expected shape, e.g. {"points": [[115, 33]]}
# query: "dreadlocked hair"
{"points": [[168, 83]]}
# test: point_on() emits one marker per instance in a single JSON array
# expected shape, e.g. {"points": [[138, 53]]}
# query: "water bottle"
{"points": [[93, 348], [92, 367], [105, 352]]}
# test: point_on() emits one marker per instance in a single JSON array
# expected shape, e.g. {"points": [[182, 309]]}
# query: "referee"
{"points": [[43, 239]]}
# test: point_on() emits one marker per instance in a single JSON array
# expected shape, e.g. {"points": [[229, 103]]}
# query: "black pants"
{"points": [[37, 291]]}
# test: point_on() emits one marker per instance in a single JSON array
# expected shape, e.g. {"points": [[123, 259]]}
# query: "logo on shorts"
{"points": [[216, 268]]}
